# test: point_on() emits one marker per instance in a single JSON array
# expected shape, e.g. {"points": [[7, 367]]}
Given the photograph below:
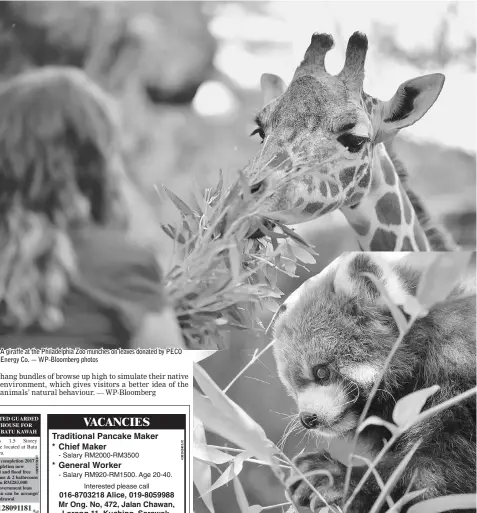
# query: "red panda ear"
{"points": [[351, 279]]}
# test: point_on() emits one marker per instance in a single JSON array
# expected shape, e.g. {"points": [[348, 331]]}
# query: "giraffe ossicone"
{"points": [[324, 137]]}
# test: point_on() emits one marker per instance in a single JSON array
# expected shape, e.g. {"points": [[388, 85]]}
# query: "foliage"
{"points": [[222, 278], [254, 447]]}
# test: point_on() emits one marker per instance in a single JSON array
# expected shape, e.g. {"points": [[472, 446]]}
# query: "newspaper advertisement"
{"points": [[20, 462], [76, 438], [238, 256]]}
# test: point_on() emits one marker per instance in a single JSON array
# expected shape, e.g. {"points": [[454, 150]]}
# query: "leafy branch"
{"points": [[221, 278]]}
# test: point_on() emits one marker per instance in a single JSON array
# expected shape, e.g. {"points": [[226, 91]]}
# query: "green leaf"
{"points": [[178, 202], [288, 266], [408, 408], [216, 395], [293, 235], [394, 478], [202, 475], [169, 230], [441, 276], [270, 304], [303, 254], [290, 481], [199, 432], [209, 454], [272, 275], [220, 183], [237, 427], [235, 263], [442, 406], [241, 497], [231, 472], [202, 355], [412, 307], [376, 421], [274, 242], [405, 499], [199, 199], [442, 504], [172, 232]]}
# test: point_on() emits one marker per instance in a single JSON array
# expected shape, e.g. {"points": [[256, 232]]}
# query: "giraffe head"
{"points": [[319, 133]]}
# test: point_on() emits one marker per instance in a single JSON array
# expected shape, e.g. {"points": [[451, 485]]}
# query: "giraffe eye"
{"points": [[353, 143], [321, 373], [260, 132]]}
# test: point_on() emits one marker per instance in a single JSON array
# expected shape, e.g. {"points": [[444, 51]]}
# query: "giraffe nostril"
{"points": [[309, 420]]}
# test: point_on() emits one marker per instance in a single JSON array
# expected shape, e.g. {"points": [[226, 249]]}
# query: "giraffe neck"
{"points": [[384, 220]]}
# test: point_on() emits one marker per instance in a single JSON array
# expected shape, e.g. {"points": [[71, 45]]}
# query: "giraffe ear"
{"points": [[272, 87], [351, 279], [411, 101]]}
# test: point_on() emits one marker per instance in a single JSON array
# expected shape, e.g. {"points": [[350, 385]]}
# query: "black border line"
{"points": [[39, 446]]}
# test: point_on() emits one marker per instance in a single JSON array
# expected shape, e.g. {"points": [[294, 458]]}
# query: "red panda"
{"points": [[332, 337]]}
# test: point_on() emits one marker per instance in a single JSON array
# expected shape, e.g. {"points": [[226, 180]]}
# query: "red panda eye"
{"points": [[321, 372]]}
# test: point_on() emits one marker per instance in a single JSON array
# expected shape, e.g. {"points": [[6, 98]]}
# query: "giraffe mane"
{"points": [[439, 238]]}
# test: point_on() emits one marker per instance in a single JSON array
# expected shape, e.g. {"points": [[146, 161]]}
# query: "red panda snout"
{"points": [[326, 409]]}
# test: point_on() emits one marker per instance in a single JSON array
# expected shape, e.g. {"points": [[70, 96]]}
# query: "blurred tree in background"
{"points": [[443, 50], [172, 41]]}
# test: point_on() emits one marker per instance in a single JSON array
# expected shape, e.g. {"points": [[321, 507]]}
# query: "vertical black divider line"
{"points": [[186, 425], [39, 463], [47, 466]]}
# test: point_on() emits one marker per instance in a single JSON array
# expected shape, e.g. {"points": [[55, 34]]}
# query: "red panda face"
{"points": [[332, 407], [329, 362], [326, 371], [331, 341]]}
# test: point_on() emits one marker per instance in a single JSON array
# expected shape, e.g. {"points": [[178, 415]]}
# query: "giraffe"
{"points": [[332, 134]]}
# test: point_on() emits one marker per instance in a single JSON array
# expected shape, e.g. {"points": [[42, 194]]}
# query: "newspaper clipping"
{"points": [[238, 256]]}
